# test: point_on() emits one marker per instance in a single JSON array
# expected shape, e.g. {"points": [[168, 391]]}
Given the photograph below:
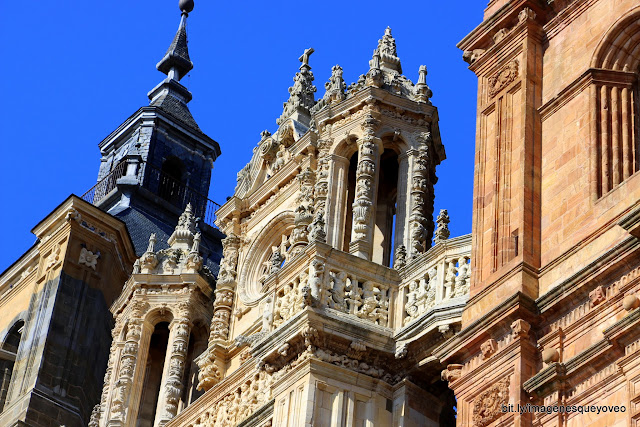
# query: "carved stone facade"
{"points": [[339, 300], [308, 303]]}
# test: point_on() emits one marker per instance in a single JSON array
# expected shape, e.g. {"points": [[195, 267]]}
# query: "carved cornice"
{"points": [[518, 306], [586, 312], [586, 279], [593, 358], [631, 222], [500, 33]]}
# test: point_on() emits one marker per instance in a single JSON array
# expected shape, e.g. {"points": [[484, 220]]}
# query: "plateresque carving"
{"points": [[503, 78], [487, 407]]}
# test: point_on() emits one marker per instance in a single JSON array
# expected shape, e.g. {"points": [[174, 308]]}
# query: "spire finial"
{"points": [[176, 62], [422, 91], [183, 234], [186, 6], [305, 57]]}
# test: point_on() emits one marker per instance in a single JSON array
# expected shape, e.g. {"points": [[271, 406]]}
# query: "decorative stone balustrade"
{"points": [[325, 282], [231, 402], [329, 281], [438, 277]]}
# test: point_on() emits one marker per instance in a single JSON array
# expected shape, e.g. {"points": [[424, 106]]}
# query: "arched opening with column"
{"points": [[385, 210], [389, 194], [153, 368], [349, 197], [198, 341], [8, 354], [615, 102]]}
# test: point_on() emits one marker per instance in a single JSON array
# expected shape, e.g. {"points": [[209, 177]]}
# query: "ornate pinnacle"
{"points": [[374, 76], [335, 86], [152, 243], [388, 55], [301, 94], [183, 234], [442, 232], [422, 91], [195, 248], [316, 228]]}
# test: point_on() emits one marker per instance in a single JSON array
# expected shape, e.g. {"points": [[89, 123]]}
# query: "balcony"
{"points": [[159, 183]]}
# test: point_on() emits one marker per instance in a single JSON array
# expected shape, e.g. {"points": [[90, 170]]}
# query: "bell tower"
{"points": [[159, 160], [331, 296]]}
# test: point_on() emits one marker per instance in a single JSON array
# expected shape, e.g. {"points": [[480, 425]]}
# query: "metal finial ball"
{"points": [[186, 5]]}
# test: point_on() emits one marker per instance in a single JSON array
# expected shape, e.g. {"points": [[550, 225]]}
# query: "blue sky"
{"points": [[74, 71]]}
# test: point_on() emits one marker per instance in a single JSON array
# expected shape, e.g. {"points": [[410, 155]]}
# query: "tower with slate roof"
{"points": [[159, 160]]}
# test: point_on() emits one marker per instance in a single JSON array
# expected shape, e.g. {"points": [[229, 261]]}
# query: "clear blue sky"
{"points": [[74, 71]]}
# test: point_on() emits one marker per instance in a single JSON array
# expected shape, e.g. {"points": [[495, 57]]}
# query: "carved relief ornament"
{"points": [[487, 407], [503, 78]]}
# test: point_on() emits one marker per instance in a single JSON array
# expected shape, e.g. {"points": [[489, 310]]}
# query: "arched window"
{"points": [[171, 186], [198, 342], [269, 251], [615, 103], [385, 208], [351, 191], [153, 375], [8, 354]]}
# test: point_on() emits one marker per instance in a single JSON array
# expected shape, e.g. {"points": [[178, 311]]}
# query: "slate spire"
{"points": [[170, 95], [176, 62]]}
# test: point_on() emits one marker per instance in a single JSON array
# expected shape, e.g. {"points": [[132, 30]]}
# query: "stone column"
{"points": [[122, 387], [225, 289], [210, 371], [303, 211], [420, 224], [369, 149], [172, 386], [221, 314]]}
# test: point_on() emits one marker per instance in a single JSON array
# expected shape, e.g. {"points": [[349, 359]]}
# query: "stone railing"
{"points": [[438, 277], [338, 281], [334, 280]]}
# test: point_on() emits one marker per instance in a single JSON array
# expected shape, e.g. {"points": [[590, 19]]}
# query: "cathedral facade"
{"points": [[327, 291]]}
